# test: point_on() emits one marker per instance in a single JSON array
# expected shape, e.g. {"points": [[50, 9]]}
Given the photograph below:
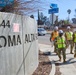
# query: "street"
{"points": [[44, 39]]}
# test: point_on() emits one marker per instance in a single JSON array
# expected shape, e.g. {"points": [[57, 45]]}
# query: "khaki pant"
{"points": [[70, 43], [75, 48], [63, 52], [55, 48]]}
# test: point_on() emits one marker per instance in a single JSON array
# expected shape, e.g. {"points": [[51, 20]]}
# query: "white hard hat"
{"points": [[56, 28], [60, 31], [68, 27]]}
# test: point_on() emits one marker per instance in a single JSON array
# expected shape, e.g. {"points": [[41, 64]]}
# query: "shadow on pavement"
{"points": [[46, 53], [65, 63], [67, 53], [49, 54], [57, 62]]}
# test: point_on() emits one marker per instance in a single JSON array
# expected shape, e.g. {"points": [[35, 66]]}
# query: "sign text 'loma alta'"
{"points": [[13, 40]]}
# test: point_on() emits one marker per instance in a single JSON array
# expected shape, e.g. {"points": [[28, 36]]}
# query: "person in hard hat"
{"points": [[54, 34], [69, 39], [74, 42], [61, 45]]}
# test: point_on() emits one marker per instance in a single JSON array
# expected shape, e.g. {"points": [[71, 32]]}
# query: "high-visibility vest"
{"points": [[61, 42], [69, 35], [74, 35], [55, 34]]}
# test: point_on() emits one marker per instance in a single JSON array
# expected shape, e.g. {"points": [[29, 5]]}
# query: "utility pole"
{"points": [[38, 17]]}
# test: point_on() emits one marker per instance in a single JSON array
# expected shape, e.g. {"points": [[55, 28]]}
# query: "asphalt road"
{"points": [[44, 39]]}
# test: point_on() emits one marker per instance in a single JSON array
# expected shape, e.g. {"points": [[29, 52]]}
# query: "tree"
{"points": [[74, 20], [44, 19], [8, 6], [41, 16], [75, 13], [66, 22], [39, 22], [32, 16], [68, 11], [25, 6]]}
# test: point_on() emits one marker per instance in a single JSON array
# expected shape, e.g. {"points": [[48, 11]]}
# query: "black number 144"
{"points": [[4, 24]]}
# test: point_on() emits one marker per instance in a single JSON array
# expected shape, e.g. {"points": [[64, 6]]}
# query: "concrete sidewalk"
{"points": [[67, 68]]}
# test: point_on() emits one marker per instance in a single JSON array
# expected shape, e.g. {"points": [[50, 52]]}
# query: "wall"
{"points": [[18, 44]]}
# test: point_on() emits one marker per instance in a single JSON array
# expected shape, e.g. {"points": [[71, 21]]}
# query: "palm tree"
{"points": [[68, 11], [75, 13]]}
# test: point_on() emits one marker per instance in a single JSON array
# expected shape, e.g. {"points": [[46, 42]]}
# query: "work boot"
{"points": [[64, 60], [74, 55], [60, 59], [71, 52], [54, 51]]}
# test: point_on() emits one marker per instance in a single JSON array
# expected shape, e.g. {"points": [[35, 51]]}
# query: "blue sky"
{"points": [[63, 5]]}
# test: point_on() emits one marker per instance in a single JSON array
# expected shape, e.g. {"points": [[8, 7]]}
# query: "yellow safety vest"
{"points": [[61, 42], [69, 35], [74, 35], [55, 34]]}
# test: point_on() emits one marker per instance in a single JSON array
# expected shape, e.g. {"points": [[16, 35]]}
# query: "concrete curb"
{"points": [[52, 72], [53, 67]]}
